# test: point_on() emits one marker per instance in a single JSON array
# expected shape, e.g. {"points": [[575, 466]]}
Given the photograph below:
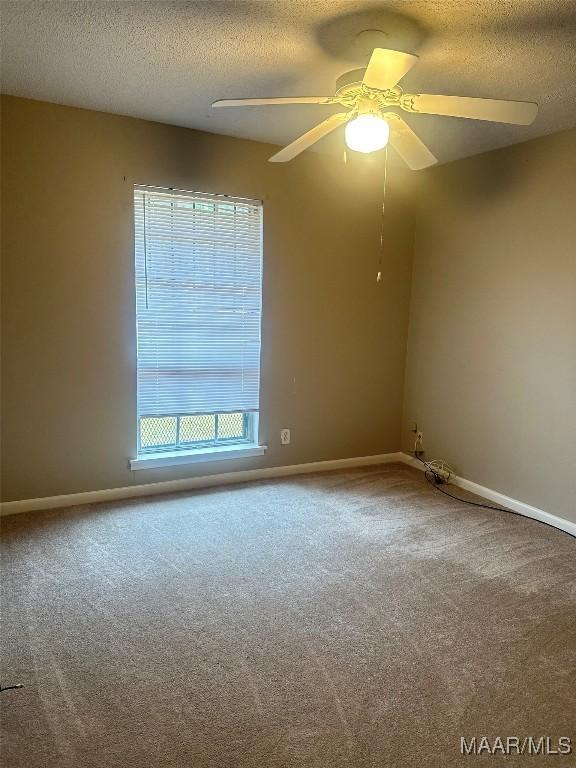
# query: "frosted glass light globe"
{"points": [[367, 133]]}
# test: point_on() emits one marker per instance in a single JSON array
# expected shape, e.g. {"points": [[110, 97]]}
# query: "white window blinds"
{"points": [[198, 302]]}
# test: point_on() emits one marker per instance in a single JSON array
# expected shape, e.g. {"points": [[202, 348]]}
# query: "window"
{"points": [[198, 311]]}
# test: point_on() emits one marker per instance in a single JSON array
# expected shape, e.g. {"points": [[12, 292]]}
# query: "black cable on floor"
{"points": [[10, 687], [436, 485], [437, 482]]}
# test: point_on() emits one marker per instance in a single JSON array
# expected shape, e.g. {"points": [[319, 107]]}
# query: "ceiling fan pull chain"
{"points": [[381, 256]]}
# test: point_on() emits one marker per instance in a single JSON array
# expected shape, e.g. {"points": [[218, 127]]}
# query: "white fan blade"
{"points": [[494, 110], [311, 137], [387, 67], [411, 149], [279, 100]]}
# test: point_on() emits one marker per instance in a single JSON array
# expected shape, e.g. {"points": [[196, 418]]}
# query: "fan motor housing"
{"points": [[350, 82], [350, 91]]}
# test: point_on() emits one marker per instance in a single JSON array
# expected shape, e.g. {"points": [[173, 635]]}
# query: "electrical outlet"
{"points": [[418, 450], [285, 436]]}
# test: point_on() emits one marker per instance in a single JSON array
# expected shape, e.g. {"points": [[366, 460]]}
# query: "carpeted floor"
{"points": [[356, 618]]}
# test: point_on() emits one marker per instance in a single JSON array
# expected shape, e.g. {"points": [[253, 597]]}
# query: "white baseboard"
{"points": [[230, 478], [191, 483], [505, 501]]}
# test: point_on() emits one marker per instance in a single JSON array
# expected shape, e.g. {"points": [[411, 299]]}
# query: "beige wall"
{"points": [[491, 364], [333, 341]]}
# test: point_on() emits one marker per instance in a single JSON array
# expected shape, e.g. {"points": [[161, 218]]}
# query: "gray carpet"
{"points": [[356, 618]]}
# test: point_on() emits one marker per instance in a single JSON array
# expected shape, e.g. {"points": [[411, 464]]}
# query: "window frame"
{"points": [[209, 450]]}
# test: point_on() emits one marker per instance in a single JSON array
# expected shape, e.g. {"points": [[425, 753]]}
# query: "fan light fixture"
{"points": [[367, 94], [367, 133]]}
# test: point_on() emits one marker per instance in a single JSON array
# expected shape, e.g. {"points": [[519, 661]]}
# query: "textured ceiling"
{"points": [[168, 61]]}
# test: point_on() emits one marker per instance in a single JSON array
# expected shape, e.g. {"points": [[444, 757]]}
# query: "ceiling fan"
{"points": [[369, 93]]}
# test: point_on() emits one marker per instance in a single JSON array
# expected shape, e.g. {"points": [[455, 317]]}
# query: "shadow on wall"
{"points": [[491, 175]]}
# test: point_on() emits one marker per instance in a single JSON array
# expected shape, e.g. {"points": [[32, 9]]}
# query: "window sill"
{"points": [[213, 453]]}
